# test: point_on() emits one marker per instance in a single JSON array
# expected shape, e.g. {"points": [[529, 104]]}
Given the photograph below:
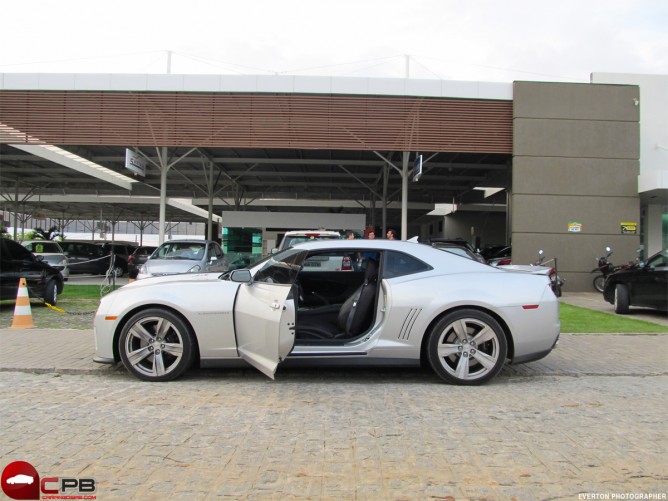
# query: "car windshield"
{"points": [[660, 260], [181, 250], [459, 251]]}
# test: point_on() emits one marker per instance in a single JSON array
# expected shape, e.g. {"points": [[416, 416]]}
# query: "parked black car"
{"points": [[643, 285], [17, 262], [122, 252], [85, 257], [139, 257], [501, 257]]}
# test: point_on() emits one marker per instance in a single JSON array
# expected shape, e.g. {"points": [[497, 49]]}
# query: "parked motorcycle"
{"points": [[603, 269]]}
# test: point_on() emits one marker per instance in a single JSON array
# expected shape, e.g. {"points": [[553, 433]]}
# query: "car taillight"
{"points": [[506, 261], [131, 260], [347, 264]]}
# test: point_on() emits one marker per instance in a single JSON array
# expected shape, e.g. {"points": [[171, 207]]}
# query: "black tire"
{"points": [[621, 299], [51, 292], [156, 345], [599, 281], [462, 336]]}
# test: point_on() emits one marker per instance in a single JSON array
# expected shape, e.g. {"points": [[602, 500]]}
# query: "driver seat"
{"points": [[354, 316]]}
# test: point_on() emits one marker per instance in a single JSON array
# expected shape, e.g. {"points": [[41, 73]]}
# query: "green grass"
{"points": [[82, 292], [583, 320]]}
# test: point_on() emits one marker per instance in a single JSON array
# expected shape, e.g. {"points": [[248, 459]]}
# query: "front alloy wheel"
{"points": [[621, 299], [156, 345], [51, 292], [467, 347]]}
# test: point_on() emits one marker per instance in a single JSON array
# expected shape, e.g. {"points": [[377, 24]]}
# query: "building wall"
{"points": [[575, 160], [653, 178]]}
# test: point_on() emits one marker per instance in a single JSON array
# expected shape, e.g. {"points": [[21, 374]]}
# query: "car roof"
{"points": [[189, 241], [421, 251]]}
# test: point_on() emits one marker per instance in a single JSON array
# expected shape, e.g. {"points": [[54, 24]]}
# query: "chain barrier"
{"points": [[109, 283]]}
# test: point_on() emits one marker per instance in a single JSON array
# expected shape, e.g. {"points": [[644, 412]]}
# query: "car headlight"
{"points": [[63, 262], [195, 269], [142, 272]]}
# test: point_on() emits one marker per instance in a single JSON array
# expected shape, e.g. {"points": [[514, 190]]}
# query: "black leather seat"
{"points": [[345, 321]]}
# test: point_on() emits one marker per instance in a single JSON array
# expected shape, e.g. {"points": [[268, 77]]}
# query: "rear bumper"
{"points": [[532, 357]]}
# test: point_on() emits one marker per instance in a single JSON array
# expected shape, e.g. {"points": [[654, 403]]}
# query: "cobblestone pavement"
{"points": [[588, 420]]}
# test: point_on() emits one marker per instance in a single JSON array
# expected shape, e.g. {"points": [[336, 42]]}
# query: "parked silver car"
{"points": [[184, 256], [409, 303], [51, 253]]}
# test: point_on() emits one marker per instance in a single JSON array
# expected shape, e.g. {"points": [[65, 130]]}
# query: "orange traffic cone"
{"points": [[22, 311]]}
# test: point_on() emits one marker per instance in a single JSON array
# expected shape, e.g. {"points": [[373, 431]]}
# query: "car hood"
{"points": [[173, 279]]}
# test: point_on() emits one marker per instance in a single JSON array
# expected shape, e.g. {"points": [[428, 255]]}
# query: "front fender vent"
{"points": [[408, 323]]}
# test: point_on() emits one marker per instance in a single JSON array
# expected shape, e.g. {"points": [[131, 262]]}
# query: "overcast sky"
{"points": [[486, 40]]}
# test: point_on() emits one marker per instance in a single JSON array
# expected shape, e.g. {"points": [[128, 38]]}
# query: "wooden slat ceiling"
{"points": [[333, 122]]}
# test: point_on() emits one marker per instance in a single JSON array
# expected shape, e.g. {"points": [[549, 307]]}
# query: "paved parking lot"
{"points": [[587, 420]]}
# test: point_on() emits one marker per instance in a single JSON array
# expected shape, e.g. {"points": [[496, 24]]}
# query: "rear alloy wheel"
{"points": [[156, 345], [467, 347], [621, 299], [118, 271], [598, 283]]}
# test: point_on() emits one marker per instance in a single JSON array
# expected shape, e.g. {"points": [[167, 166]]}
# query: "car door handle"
{"points": [[275, 306]]}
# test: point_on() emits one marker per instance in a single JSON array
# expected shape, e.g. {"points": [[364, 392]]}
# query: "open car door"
{"points": [[265, 312]]}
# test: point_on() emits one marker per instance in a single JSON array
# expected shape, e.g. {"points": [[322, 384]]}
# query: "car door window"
{"points": [[282, 268], [212, 252], [659, 261], [398, 264]]}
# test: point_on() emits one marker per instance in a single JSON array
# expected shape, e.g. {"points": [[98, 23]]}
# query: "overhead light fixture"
{"points": [[443, 209], [65, 158], [77, 163], [488, 191]]}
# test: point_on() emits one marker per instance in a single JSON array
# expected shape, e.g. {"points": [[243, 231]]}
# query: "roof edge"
{"points": [[257, 84]]}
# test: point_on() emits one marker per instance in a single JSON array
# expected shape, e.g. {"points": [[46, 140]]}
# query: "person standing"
{"points": [[390, 234]]}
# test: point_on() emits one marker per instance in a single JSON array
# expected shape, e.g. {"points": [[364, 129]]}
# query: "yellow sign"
{"points": [[629, 228]]}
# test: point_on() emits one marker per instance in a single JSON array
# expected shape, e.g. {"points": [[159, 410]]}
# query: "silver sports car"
{"points": [[403, 303]]}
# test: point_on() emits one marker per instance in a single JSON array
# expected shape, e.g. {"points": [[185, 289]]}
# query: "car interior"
{"points": [[336, 306], [336, 291]]}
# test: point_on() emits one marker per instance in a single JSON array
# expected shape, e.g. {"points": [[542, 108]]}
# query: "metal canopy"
{"points": [[248, 179]]}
